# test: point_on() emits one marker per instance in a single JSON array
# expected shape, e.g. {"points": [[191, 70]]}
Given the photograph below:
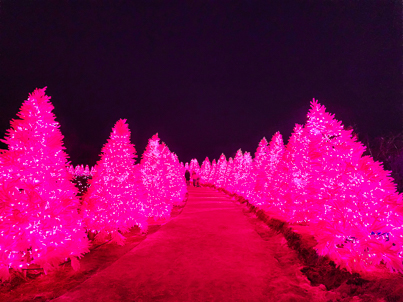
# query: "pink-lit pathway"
{"points": [[212, 251]]}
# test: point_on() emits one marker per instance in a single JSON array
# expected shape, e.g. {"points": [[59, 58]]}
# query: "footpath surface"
{"points": [[212, 251]]}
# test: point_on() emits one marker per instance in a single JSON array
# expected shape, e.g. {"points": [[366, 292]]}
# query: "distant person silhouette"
{"points": [[187, 177], [194, 177], [198, 180]]}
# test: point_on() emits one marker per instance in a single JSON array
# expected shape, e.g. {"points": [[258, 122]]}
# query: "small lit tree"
{"points": [[79, 170]]}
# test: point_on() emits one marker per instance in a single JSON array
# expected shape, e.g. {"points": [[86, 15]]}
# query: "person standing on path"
{"points": [[198, 180], [187, 177], [194, 177]]}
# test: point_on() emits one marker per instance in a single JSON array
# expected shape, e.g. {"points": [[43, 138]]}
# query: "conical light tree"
{"points": [[259, 166], [79, 170], [194, 166], [228, 173], [86, 171], [272, 160], [71, 170], [179, 179], [205, 171], [234, 179], [175, 181], [39, 219], [219, 180], [213, 170], [113, 201], [286, 191], [246, 181], [353, 207], [92, 171], [154, 181]]}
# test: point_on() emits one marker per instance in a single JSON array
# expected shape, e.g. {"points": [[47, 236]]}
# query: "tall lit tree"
{"points": [[234, 179], [259, 166], [213, 170], [228, 173], [194, 166], [114, 201], [272, 159], [353, 207], [174, 178], [286, 191], [246, 181], [205, 171], [154, 181], [181, 187], [219, 180], [39, 219]]}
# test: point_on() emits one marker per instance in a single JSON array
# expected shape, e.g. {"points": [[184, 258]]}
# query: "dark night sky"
{"points": [[208, 76]]}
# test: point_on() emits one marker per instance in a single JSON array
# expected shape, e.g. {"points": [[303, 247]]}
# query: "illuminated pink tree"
{"points": [[234, 181], [246, 181], [205, 171], [353, 206], [39, 219], [286, 191], [228, 173], [92, 171], [259, 167], [275, 154], [174, 178], [71, 170], [86, 171], [79, 170], [219, 180], [113, 201], [180, 181], [194, 166], [212, 172], [265, 183], [154, 181], [260, 162]]}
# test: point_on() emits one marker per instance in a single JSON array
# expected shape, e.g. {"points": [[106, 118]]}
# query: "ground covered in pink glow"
{"points": [[215, 250], [39, 287]]}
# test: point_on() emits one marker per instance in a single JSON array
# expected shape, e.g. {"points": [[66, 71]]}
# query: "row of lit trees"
{"points": [[43, 221], [321, 178]]}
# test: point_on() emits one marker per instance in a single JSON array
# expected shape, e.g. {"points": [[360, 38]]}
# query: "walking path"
{"points": [[212, 251]]}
